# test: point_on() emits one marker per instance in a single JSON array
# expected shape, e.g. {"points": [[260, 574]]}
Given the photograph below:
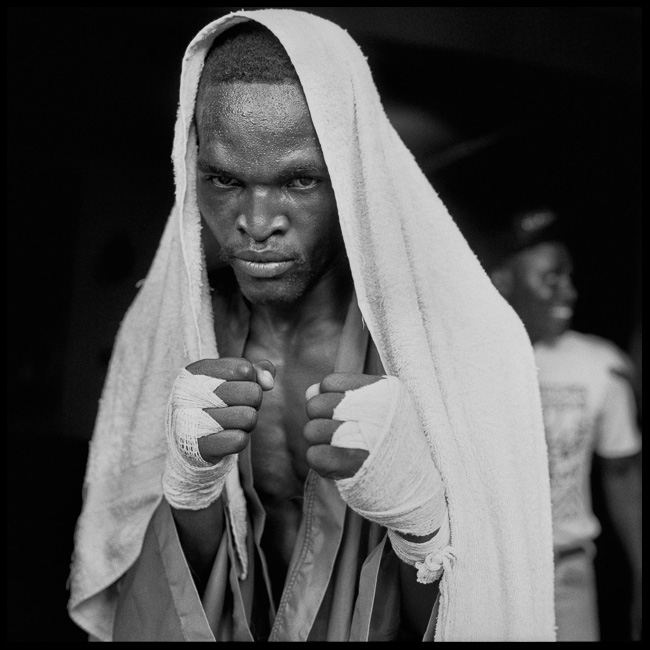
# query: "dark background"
{"points": [[497, 104]]}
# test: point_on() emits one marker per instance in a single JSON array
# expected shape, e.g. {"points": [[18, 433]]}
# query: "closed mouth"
{"points": [[262, 269], [262, 257]]}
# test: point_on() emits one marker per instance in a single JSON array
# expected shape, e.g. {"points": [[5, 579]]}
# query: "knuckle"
{"points": [[244, 370], [315, 458], [322, 406], [323, 461], [200, 367], [311, 431], [214, 448], [314, 407], [239, 441], [208, 451], [329, 383], [249, 418], [256, 394]]}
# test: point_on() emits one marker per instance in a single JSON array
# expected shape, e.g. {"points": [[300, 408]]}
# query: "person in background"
{"points": [[588, 408]]}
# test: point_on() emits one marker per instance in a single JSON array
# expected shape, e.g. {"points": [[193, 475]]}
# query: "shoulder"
{"points": [[576, 356], [600, 350]]}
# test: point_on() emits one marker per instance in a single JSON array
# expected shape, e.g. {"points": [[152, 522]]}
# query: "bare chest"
{"points": [[278, 448]]}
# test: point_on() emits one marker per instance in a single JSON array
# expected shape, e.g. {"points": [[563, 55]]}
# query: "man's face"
{"points": [[542, 292], [264, 190]]}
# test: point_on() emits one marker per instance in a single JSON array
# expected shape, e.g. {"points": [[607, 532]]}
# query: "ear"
{"points": [[502, 280]]}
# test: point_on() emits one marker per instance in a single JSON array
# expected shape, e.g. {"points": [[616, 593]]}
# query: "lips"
{"points": [[265, 264], [262, 256]]}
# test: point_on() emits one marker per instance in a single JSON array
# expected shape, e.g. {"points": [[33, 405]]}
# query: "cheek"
{"points": [[528, 301], [326, 218], [215, 212], [536, 291], [325, 236], [543, 294], [206, 201], [313, 218]]}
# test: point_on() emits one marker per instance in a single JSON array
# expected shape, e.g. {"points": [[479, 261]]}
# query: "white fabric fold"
{"points": [[438, 324]]}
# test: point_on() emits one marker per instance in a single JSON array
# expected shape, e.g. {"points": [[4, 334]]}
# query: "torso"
{"points": [[303, 352], [278, 448], [574, 372]]}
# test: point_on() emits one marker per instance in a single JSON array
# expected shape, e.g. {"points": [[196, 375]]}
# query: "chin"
{"points": [[273, 293], [553, 329]]}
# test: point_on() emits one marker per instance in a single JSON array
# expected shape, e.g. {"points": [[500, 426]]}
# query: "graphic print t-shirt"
{"points": [[588, 408]]}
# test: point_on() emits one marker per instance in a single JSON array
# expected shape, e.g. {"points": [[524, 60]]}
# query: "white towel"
{"points": [[437, 321]]}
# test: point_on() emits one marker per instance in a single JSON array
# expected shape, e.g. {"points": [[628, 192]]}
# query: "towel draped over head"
{"points": [[438, 324]]}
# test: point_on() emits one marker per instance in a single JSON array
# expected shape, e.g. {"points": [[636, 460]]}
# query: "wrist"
{"points": [[189, 481], [187, 487], [418, 539], [429, 556], [398, 485]]}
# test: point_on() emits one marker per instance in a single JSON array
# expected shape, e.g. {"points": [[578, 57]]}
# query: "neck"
{"points": [[322, 305]]}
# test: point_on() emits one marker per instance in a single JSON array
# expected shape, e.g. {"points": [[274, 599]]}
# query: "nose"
{"points": [[262, 215], [567, 289]]}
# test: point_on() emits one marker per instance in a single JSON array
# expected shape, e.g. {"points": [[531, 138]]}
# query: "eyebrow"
{"points": [[291, 170], [207, 167]]}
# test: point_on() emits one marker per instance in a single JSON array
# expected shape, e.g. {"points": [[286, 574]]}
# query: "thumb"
{"points": [[312, 391], [265, 374]]}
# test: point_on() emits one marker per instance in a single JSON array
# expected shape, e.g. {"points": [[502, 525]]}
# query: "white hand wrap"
{"points": [[190, 482], [398, 485]]}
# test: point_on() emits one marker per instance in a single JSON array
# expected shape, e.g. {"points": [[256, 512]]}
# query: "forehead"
{"points": [[545, 256], [236, 108]]}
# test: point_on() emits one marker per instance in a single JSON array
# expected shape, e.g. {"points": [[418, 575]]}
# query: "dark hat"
{"points": [[527, 228]]}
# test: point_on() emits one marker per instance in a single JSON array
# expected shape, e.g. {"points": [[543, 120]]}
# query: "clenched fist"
{"points": [[330, 461], [365, 433], [241, 392], [211, 412]]}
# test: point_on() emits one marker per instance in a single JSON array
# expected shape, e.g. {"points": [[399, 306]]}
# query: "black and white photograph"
{"points": [[324, 324]]}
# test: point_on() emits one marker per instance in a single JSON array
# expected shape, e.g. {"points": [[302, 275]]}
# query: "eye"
{"points": [[554, 278], [223, 180], [551, 278], [303, 183]]}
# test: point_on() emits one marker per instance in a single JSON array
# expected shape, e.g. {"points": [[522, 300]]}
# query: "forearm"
{"points": [[417, 599], [622, 489], [200, 533]]}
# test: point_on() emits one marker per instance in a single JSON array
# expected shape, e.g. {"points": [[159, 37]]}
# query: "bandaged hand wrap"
{"points": [[398, 485], [189, 481]]}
